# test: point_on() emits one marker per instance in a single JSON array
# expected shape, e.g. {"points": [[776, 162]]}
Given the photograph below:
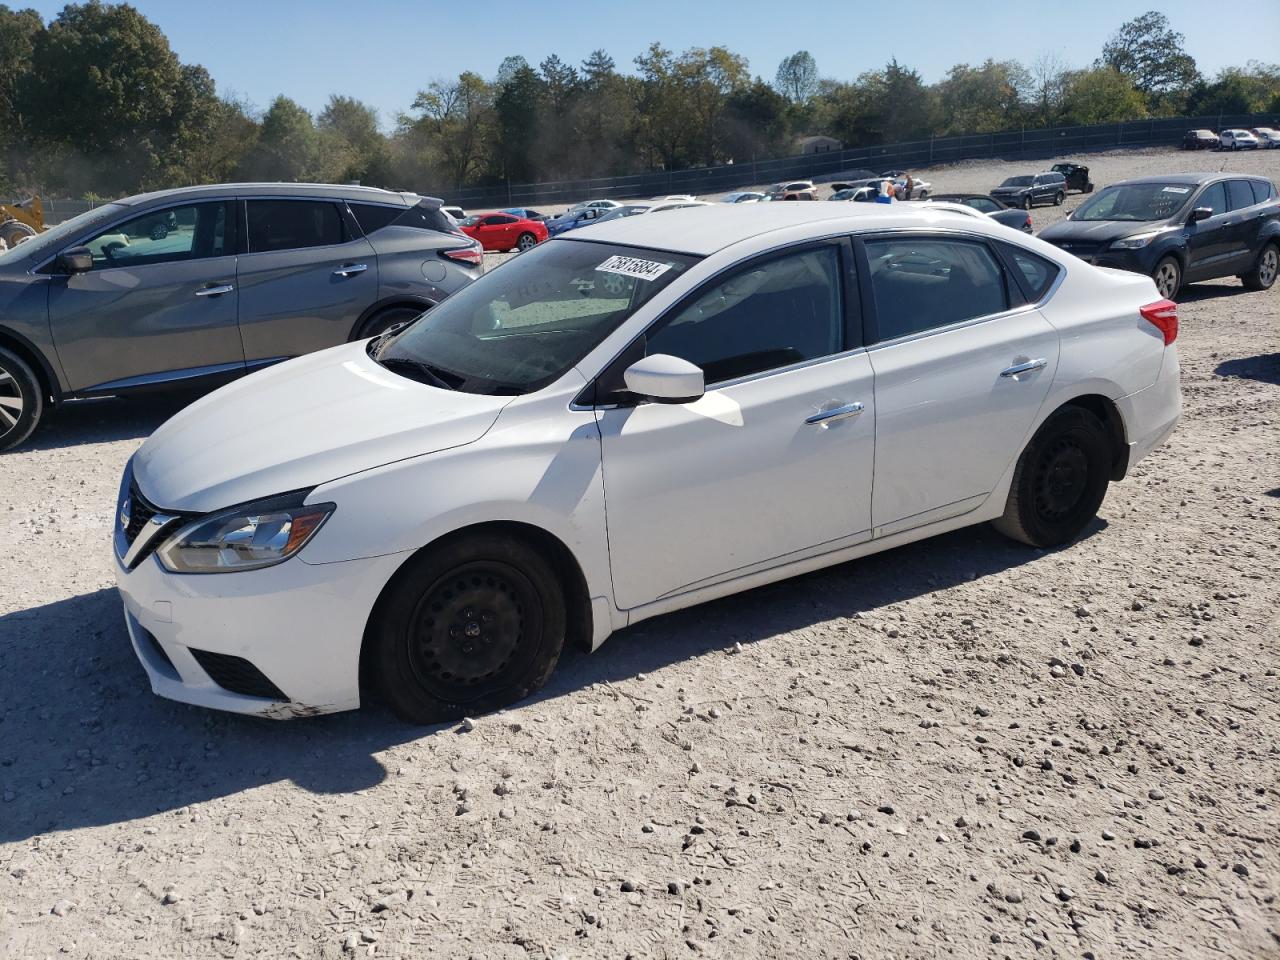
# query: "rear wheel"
{"points": [[384, 320], [525, 241], [1060, 480], [467, 628], [1058, 198], [21, 400], [1168, 277], [1265, 269]]}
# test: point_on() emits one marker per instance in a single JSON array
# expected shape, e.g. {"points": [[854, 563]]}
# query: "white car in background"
{"points": [[428, 509], [604, 206], [457, 213], [1238, 140], [742, 196], [1268, 137]]}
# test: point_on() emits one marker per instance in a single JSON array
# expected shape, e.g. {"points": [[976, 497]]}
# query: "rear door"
{"points": [[962, 365], [159, 305], [1242, 235], [305, 277]]}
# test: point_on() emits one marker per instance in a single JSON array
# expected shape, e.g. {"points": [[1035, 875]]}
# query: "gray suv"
{"points": [[197, 286], [1028, 190]]}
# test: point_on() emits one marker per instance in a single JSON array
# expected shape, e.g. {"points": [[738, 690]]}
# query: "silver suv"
{"points": [[196, 286]]}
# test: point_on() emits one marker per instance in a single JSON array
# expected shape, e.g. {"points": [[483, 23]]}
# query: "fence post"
{"points": [[931, 149]]}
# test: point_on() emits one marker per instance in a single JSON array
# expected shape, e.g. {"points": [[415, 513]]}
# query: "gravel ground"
{"points": [[957, 748]]}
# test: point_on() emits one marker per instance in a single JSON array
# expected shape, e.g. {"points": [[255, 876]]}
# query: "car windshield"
{"points": [[1018, 182], [1136, 202], [522, 326], [52, 239]]}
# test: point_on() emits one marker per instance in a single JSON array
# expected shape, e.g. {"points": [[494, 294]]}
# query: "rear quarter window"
{"points": [[1262, 191], [422, 216], [374, 216], [1035, 273]]}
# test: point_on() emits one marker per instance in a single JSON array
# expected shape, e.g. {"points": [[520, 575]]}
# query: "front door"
{"points": [[952, 410], [497, 232], [1209, 245], [775, 460], [305, 279], [159, 304]]}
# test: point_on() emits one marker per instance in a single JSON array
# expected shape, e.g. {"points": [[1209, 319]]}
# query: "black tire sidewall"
{"points": [[385, 318], [1253, 279], [1084, 428], [391, 628], [520, 241], [33, 399]]}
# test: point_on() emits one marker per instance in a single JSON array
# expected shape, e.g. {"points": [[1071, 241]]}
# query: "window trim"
{"points": [[852, 328], [1013, 292], [360, 230]]}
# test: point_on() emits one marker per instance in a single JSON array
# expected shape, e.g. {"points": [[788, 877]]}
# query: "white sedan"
{"points": [[632, 419]]}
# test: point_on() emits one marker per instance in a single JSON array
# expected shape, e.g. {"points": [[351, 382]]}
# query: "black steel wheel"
{"points": [[1060, 480], [21, 400], [467, 627]]}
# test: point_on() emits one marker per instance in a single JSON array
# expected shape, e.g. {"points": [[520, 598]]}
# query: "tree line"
{"points": [[95, 103]]}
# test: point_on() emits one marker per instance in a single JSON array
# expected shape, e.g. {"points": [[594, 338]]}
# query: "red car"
{"points": [[503, 231]]}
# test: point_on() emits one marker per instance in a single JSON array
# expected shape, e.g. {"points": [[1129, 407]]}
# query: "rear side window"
{"points": [[1262, 191], [374, 216], [923, 283], [1239, 194], [1037, 273], [424, 217], [294, 225]]}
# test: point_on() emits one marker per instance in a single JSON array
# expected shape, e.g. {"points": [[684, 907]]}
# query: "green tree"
{"points": [[1153, 55], [288, 147], [797, 77], [354, 147], [705, 79], [1253, 88], [516, 110], [1101, 95], [983, 99], [456, 117], [756, 122]]}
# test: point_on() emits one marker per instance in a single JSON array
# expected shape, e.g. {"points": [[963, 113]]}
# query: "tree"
{"points": [[1048, 79], [797, 77], [983, 99], [288, 146], [457, 116], [1101, 95], [708, 77], [516, 110], [1254, 88], [354, 147], [1148, 51], [755, 122]]}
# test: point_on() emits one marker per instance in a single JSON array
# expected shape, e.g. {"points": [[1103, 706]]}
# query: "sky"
{"points": [[384, 51]]}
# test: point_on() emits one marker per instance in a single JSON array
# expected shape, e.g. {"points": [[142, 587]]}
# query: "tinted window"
{"points": [[982, 203], [770, 314], [1017, 182], [924, 283], [1037, 273], [1215, 198], [374, 216], [293, 224], [192, 232], [1239, 194], [1262, 191], [426, 217]]}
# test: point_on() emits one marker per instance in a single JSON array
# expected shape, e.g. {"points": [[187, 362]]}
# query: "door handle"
{"points": [[1026, 367], [216, 290], [823, 418], [350, 269]]}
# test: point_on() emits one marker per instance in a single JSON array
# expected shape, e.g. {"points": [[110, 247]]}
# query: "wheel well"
{"points": [[1106, 411], [578, 620], [33, 360], [377, 308]]}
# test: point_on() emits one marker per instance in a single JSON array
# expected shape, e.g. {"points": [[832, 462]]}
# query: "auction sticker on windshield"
{"points": [[634, 267], [1176, 190]]}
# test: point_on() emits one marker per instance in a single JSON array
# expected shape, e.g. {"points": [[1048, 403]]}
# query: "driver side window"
{"points": [[1215, 198], [768, 315], [193, 232]]}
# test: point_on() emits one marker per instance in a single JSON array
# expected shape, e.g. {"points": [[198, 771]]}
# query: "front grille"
{"points": [[237, 675], [1079, 248], [139, 513]]}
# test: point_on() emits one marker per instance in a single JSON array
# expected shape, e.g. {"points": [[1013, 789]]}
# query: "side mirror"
{"points": [[1200, 213], [75, 260], [665, 379]]}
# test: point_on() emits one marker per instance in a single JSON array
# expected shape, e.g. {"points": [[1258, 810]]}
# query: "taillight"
{"points": [[1164, 315], [473, 254]]}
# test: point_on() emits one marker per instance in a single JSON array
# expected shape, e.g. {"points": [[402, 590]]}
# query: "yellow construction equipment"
{"points": [[20, 221]]}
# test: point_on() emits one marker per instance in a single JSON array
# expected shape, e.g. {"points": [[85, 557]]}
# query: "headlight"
{"points": [[246, 537], [1134, 243]]}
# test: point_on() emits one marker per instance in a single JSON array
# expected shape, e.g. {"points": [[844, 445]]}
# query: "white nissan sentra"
{"points": [[629, 420]]}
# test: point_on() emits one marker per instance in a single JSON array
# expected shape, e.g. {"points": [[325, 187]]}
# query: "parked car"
{"points": [[448, 534], [993, 208], [573, 219], [621, 213], [1076, 175], [672, 196], [1200, 140], [241, 276], [854, 195], [1028, 190], [635, 209], [1238, 140], [603, 205], [456, 212], [892, 174], [1268, 137], [1179, 229], [525, 212], [919, 188], [743, 196], [505, 231], [794, 190]]}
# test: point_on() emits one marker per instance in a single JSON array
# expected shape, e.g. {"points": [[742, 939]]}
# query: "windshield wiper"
{"points": [[420, 370]]}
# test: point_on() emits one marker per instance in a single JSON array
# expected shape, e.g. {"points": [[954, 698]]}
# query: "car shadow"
{"points": [[107, 420], [83, 742], [1264, 367], [1210, 290]]}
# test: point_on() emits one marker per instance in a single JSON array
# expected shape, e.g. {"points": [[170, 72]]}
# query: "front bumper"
{"points": [[301, 625]]}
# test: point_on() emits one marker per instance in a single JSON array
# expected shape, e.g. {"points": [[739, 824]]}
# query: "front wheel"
{"points": [[1026, 202], [21, 400], [526, 241], [1058, 198], [467, 627], [1059, 482], [924, 195], [1265, 269], [1168, 277], [384, 320]]}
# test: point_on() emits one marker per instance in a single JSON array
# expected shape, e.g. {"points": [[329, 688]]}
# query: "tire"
{"points": [[1263, 274], [1058, 198], [1060, 480], [384, 319], [1026, 202], [924, 195], [526, 241], [21, 400], [434, 658], [1168, 277], [13, 232]]}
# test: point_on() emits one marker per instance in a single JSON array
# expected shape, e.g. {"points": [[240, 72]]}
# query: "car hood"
{"points": [[301, 423], [1097, 231]]}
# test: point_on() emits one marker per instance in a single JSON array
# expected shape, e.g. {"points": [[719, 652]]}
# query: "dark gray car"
{"points": [[1028, 190], [196, 286]]}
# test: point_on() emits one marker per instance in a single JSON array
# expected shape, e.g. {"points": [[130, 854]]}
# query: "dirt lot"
{"points": [[959, 748]]}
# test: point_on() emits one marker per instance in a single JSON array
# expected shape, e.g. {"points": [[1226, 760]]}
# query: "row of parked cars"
{"points": [[1259, 138]]}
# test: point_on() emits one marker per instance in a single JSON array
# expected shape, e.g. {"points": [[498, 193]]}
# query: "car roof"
{"points": [[1192, 179], [703, 231], [214, 190]]}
